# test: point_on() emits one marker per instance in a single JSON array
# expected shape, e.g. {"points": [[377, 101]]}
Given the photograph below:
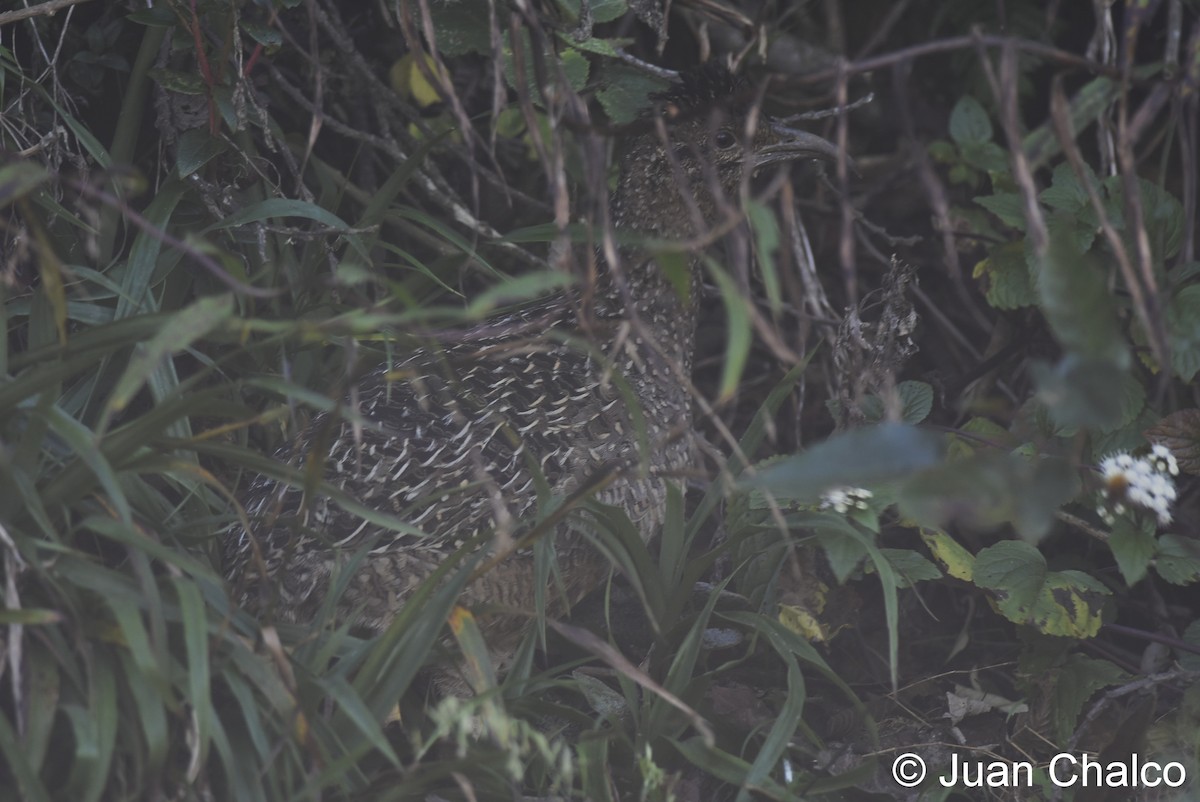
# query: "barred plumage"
{"points": [[467, 430]]}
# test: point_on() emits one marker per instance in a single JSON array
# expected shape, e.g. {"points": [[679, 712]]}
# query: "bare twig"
{"points": [[47, 9]]}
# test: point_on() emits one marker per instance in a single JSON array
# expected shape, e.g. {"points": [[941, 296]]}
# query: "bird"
{"points": [[463, 434]]}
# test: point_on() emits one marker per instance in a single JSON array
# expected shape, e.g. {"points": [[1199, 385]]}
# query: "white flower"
{"points": [[843, 499], [1145, 482], [1164, 461]]}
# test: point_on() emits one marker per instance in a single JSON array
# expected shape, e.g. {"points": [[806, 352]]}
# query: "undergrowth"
{"points": [[940, 516]]}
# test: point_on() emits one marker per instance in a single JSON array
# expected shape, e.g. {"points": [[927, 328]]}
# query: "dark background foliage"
{"points": [[217, 215]]}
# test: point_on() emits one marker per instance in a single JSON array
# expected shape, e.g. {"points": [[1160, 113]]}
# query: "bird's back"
{"points": [[459, 438], [466, 439]]}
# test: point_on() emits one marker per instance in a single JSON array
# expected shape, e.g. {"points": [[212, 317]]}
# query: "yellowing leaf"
{"points": [[413, 83], [1065, 603], [957, 561]]}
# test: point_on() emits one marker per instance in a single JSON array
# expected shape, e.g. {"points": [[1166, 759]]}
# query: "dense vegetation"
{"points": [[950, 390]]}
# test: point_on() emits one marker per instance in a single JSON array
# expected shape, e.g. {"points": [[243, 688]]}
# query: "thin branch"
{"points": [[47, 9]]}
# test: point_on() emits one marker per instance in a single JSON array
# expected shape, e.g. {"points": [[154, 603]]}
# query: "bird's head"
{"points": [[679, 172]]}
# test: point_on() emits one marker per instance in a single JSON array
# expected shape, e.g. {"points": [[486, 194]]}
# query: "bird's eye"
{"points": [[725, 139]]}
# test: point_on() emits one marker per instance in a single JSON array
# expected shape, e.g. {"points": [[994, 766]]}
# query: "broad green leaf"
{"points": [[916, 399], [1078, 305], [1074, 682], [461, 27], [601, 10], [1008, 206], [196, 148], [1006, 279], [1183, 331], [1162, 215], [969, 121], [896, 451], [574, 65], [1178, 559], [1065, 193], [1064, 603], [1078, 393], [910, 566], [991, 489], [1084, 107], [986, 156], [1133, 545]]}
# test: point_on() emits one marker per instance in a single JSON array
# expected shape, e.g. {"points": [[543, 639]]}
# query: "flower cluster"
{"points": [[843, 499], [1146, 482]]}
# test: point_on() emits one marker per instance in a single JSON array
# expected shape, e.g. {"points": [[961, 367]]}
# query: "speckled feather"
{"points": [[461, 427]]}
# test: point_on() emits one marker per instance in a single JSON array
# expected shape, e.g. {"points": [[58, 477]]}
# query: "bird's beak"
{"points": [[795, 144]]}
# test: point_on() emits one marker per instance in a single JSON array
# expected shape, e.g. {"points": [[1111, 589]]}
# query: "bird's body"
{"points": [[466, 433]]}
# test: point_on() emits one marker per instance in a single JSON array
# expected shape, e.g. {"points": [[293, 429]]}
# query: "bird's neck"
{"points": [[663, 286], [664, 293]]}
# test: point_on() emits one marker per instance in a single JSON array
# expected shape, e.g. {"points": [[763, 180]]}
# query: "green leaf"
{"points": [[910, 566], [624, 91], [357, 717], [1126, 438], [1132, 545], [990, 489], [1064, 603], [1008, 206], [263, 34], [1162, 215], [1183, 331], [602, 10], [1094, 99], [28, 785], [1078, 393], [521, 289], [896, 451], [461, 27], [766, 239], [196, 149], [182, 330], [738, 331], [1074, 683], [143, 256], [969, 122], [83, 442], [1178, 560], [782, 731], [183, 83], [574, 65], [1065, 193], [1078, 305], [985, 156], [278, 207], [192, 612], [958, 562], [1007, 281], [1189, 660], [916, 399]]}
